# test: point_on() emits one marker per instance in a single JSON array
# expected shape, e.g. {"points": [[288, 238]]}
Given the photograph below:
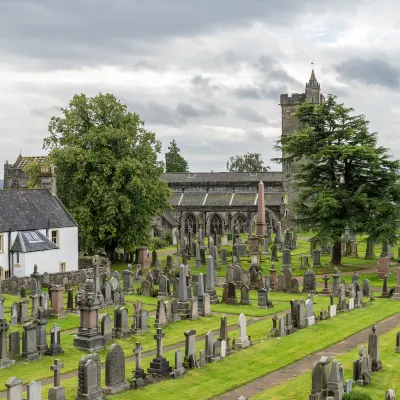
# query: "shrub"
{"points": [[357, 396]]}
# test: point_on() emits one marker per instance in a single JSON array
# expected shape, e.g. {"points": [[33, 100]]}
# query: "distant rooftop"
{"points": [[222, 177]]}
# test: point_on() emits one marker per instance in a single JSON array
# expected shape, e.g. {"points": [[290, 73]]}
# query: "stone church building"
{"points": [[217, 201]]}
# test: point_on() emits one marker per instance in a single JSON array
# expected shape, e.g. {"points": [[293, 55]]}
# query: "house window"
{"points": [[1, 243], [17, 258], [55, 238], [63, 267]]}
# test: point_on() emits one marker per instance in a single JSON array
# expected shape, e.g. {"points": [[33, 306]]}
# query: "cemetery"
{"points": [[226, 324]]}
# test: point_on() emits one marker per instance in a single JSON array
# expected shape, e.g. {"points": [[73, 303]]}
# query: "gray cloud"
{"points": [[94, 30], [249, 114], [376, 71], [186, 110]]}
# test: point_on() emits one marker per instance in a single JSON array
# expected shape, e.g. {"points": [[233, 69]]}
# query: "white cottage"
{"points": [[35, 228]]}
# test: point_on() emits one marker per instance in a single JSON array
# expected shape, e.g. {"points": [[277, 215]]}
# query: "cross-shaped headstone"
{"points": [[54, 330], [138, 353], [159, 336], [57, 370]]}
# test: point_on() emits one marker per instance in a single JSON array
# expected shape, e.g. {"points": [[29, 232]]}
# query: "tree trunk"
{"points": [[336, 254]]}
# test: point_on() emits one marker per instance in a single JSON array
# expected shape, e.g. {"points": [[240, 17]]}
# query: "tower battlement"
{"points": [[293, 99]]}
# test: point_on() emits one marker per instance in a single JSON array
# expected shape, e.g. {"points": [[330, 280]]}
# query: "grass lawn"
{"points": [[265, 357], [300, 387], [260, 359]]}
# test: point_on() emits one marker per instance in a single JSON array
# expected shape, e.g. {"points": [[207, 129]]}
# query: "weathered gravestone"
{"points": [[115, 371], [89, 378], [309, 282], [121, 324], [14, 344]]}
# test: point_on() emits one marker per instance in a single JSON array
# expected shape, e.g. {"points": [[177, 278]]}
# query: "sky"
{"points": [[208, 73]]}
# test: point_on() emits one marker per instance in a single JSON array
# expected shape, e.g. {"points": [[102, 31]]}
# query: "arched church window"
{"points": [[216, 224], [190, 222], [156, 232]]}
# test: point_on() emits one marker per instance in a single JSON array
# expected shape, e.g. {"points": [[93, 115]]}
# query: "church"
{"points": [[227, 201]]}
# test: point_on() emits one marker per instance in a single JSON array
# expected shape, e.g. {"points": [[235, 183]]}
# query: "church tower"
{"points": [[291, 125]]}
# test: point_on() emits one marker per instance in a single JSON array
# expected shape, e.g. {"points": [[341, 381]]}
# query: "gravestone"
{"points": [[89, 337], [206, 310], [159, 365], [316, 258], [223, 334], [232, 299], [193, 308], [128, 279], [163, 287], [138, 372], [89, 378], [243, 340], [14, 314], [309, 282], [183, 303], [29, 349], [161, 318], [374, 349], [41, 323], [57, 302], [14, 388], [361, 368], [245, 295], [190, 360], [210, 281], [57, 392], [14, 344], [115, 371], [5, 361], [342, 296], [383, 267], [179, 369], [309, 313], [274, 332], [55, 341], [34, 390], [106, 329], [121, 324], [209, 346]]}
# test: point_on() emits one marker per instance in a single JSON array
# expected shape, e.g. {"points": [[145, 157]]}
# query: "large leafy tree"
{"points": [[174, 162], [343, 179], [108, 175], [250, 162]]}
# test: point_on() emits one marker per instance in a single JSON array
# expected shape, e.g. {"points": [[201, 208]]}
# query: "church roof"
{"points": [[30, 241], [24, 210], [222, 177]]}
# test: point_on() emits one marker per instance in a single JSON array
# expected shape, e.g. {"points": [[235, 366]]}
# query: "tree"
{"points": [[33, 171], [344, 181], [250, 162], [174, 162], [108, 175]]}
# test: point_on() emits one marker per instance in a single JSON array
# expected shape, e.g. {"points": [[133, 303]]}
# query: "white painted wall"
{"points": [[49, 260]]}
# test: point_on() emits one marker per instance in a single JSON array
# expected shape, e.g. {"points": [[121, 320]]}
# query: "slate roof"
{"points": [[222, 177], [24, 210], [170, 219], [30, 241]]}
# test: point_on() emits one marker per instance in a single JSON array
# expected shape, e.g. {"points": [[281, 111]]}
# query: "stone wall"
{"points": [[13, 285]]}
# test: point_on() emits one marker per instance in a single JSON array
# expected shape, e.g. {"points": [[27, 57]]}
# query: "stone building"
{"points": [[224, 201], [15, 178], [291, 125], [217, 201]]}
